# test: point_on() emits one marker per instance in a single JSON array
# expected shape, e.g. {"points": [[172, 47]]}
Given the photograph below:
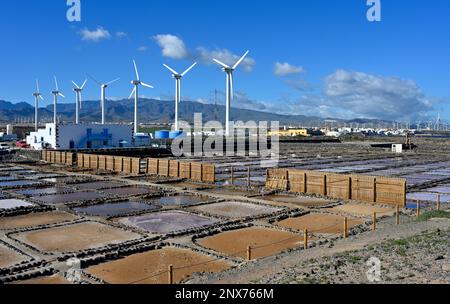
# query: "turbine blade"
{"points": [[113, 81], [147, 85], [60, 94], [37, 86], [240, 60], [84, 84], [42, 98], [56, 83], [188, 70], [221, 63], [132, 93], [170, 69], [231, 87], [136, 69], [75, 84], [95, 80]]}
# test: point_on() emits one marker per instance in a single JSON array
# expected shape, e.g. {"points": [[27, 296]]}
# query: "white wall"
{"points": [[78, 134]]}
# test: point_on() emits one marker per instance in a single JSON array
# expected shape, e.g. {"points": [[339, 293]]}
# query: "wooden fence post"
{"points": [[170, 272], [324, 185], [439, 202], [349, 187], [305, 239], [345, 228], [249, 175], [249, 253], [418, 209], [374, 190], [305, 183]]}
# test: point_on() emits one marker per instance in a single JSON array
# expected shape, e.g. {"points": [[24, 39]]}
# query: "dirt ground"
{"points": [[9, 258], [319, 223], [151, 267], [235, 243], [235, 209], [75, 237], [51, 280], [296, 201], [362, 210], [35, 219]]}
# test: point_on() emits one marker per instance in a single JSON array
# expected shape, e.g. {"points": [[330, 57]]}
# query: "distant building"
{"points": [[82, 136], [292, 133]]}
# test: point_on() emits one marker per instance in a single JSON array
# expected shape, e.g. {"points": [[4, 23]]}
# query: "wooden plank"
{"points": [[152, 166], [196, 171], [163, 167], [209, 173], [185, 170], [174, 168]]}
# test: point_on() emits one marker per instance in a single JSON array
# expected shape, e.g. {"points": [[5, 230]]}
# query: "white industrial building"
{"points": [[81, 136]]}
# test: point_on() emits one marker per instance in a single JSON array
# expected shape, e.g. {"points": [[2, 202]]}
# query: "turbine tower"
{"points": [[229, 92], [37, 95], [177, 76], [103, 87], [135, 91], [56, 93], [77, 89]]}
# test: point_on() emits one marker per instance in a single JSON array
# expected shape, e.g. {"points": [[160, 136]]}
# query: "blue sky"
{"points": [[332, 61]]}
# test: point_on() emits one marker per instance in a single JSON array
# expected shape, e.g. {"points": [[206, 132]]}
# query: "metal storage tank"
{"points": [[162, 134]]}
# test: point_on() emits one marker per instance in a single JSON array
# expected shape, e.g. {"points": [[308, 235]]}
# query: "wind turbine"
{"points": [[229, 92], [103, 87], [56, 93], [77, 89], [37, 95], [135, 91], [177, 76]]}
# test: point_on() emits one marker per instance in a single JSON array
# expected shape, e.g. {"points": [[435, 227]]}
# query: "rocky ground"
{"points": [[422, 259]]}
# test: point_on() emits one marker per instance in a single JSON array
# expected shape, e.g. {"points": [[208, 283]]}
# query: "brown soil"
{"points": [[51, 280], [9, 258], [35, 219], [151, 267], [236, 209], [76, 237], [362, 210], [296, 201], [235, 243], [319, 223]]}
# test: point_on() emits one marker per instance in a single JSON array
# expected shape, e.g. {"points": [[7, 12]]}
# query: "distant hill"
{"points": [[150, 111]]}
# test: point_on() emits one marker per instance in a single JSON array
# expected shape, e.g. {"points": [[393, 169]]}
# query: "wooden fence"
{"points": [[131, 165], [383, 190], [195, 171], [58, 157]]}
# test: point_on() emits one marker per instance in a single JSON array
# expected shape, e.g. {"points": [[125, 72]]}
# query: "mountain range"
{"points": [[152, 111]]}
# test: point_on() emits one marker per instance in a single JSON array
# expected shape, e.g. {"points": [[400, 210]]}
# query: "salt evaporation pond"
{"points": [[18, 184], [13, 203], [44, 191], [128, 191], [167, 222], [179, 200], [98, 185], [71, 197], [441, 189], [7, 178], [116, 209]]}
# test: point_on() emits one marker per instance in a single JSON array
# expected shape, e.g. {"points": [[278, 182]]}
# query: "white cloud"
{"points": [[121, 34], [206, 56], [95, 35], [286, 69], [172, 46]]}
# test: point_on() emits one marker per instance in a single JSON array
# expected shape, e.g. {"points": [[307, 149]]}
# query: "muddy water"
{"points": [[72, 197], [236, 209], [179, 200], [115, 209], [166, 222]]}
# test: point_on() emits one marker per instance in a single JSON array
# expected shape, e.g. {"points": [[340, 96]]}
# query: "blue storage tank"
{"points": [[162, 134], [175, 134]]}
